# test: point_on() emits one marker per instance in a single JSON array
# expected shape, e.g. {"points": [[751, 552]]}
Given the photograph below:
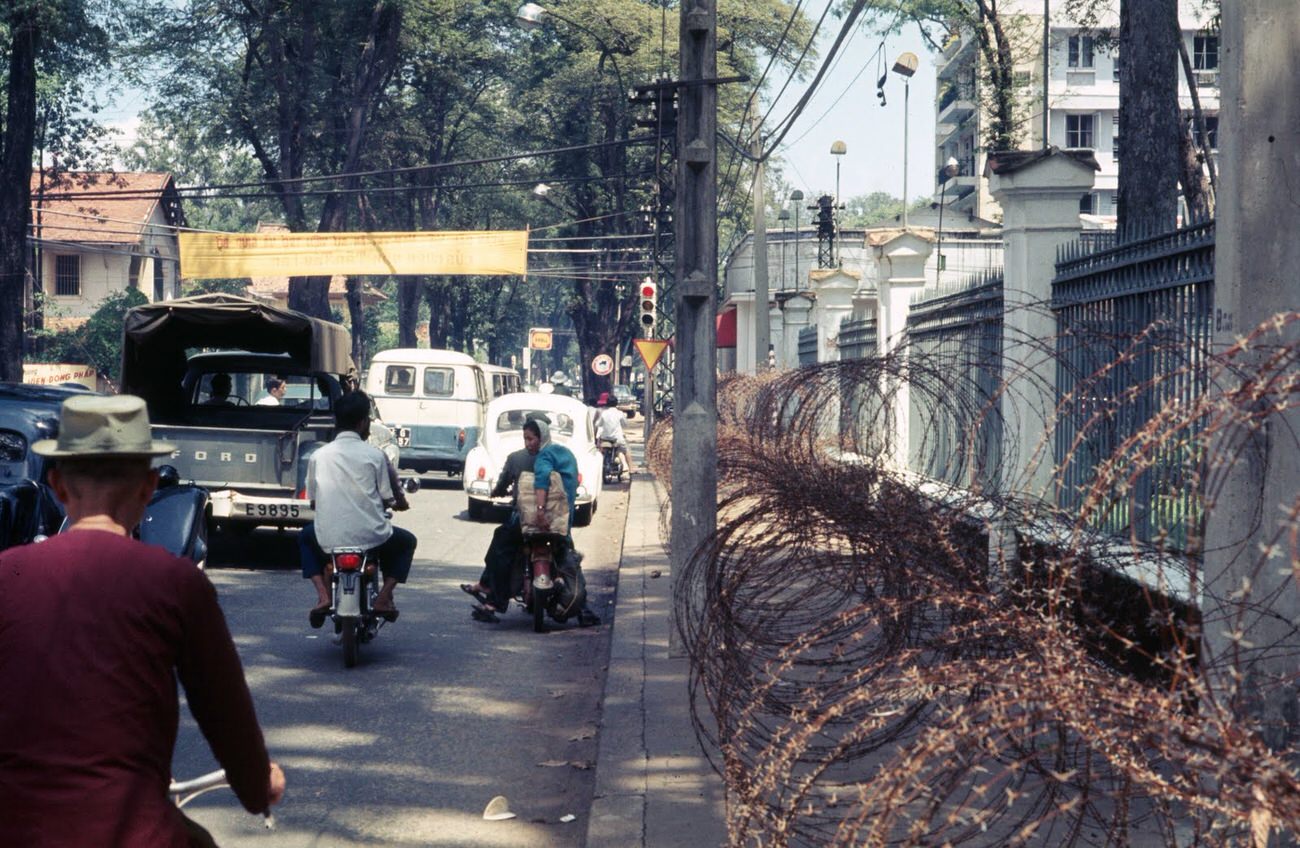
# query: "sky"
{"points": [[844, 108]]}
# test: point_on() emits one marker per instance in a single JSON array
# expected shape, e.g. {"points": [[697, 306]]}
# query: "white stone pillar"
{"points": [[900, 260], [834, 288], [795, 316], [776, 315], [1256, 257], [744, 304], [1039, 193]]}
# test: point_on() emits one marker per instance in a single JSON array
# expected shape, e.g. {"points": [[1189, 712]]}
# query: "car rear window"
{"points": [[399, 380], [439, 382], [512, 421]]}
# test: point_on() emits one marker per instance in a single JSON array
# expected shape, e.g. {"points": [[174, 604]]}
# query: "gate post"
{"points": [[1039, 193]]}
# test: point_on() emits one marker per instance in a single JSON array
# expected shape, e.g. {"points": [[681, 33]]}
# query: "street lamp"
{"points": [[905, 66], [532, 15], [838, 149], [783, 216], [796, 197]]}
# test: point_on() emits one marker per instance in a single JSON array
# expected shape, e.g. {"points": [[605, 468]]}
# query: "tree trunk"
{"points": [[1149, 122], [1198, 163], [357, 318], [16, 174]]}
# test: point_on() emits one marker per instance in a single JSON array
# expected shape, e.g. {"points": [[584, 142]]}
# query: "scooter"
{"points": [[353, 575], [609, 465]]}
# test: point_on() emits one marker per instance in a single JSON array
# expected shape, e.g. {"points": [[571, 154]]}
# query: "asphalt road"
{"points": [[441, 713]]}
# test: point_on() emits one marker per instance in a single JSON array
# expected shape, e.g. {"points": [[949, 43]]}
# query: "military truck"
{"points": [[204, 366]]}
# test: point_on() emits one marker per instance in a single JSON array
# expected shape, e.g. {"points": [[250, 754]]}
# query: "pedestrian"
{"points": [[97, 630]]}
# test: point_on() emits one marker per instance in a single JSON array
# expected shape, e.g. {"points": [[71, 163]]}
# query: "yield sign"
{"points": [[650, 350]]}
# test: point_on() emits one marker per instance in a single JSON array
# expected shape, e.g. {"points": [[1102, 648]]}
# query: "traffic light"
{"points": [[646, 305]]}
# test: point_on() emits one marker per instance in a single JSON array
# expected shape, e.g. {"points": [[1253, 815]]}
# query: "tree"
{"points": [[51, 41], [99, 342], [1149, 121]]}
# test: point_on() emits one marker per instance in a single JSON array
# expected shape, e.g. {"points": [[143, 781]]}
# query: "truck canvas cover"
{"points": [[157, 337]]}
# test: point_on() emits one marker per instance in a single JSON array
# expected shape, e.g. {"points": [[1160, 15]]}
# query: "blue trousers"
{"points": [[395, 555]]}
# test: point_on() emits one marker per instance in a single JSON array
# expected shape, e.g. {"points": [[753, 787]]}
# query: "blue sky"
{"points": [[847, 110]]}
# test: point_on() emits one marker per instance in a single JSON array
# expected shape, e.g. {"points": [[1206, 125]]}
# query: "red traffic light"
{"points": [[648, 290]]}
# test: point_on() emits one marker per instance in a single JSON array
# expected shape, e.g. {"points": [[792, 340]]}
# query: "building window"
{"points": [[1078, 131], [1211, 130], [1114, 202], [1205, 53], [67, 276], [1022, 79], [1081, 51], [1088, 204], [1114, 64], [1114, 138]]}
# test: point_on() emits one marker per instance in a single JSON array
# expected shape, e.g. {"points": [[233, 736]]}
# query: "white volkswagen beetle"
{"points": [[503, 433]]}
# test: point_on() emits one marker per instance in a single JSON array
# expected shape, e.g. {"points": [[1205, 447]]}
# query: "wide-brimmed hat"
{"points": [[94, 426]]}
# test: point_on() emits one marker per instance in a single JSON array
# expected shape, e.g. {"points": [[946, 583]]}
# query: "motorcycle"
{"points": [[609, 465], [547, 582], [353, 576]]}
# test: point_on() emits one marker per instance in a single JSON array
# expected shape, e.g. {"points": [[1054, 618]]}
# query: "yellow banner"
{"points": [[233, 255]]}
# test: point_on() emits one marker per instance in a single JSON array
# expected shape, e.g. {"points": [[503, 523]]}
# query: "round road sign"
{"points": [[602, 364]]}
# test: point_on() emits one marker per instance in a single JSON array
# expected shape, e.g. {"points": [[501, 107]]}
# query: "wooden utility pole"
{"points": [[695, 216]]}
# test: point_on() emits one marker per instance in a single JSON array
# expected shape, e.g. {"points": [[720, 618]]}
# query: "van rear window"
{"points": [[439, 382], [399, 380]]}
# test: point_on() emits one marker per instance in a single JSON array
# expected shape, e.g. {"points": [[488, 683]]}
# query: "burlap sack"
{"points": [[557, 505]]}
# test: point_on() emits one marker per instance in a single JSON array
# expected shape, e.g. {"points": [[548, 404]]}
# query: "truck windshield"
{"points": [[261, 389]]}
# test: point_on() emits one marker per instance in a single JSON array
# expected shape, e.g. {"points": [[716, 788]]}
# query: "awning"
{"points": [[727, 328]]}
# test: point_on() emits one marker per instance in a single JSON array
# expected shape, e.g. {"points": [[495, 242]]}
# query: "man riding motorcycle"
{"points": [[350, 485], [609, 425]]}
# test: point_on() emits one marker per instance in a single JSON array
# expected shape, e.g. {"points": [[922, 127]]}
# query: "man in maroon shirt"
{"points": [[96, 628]]}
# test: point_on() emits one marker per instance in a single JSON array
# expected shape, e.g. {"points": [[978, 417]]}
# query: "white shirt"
{"points": [[348, 480], [609, 424], [269, 400]]}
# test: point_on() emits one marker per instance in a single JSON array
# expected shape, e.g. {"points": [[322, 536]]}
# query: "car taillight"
{"points": [[460, 439], [482, 473], [302, 494], [348, 562]]}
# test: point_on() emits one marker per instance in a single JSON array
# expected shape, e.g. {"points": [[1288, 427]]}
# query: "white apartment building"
{"points": [[1082, 99]]}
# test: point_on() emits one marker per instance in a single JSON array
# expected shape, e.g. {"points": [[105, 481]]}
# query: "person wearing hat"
{"points": [[561, 384], [97, 629]]}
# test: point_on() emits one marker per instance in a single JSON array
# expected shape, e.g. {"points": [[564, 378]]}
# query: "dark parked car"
{"points": [[625, 400], [27, 506]]}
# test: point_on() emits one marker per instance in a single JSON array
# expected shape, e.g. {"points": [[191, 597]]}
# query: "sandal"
{"points": [[316, 618], [485, 614], [468, 589]]}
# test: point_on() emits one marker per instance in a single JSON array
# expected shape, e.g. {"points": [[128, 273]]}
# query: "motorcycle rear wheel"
{"points": [[349, 639]]}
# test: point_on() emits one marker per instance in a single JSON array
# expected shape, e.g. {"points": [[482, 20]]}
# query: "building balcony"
{"points": [[956, 54], [955, 105]]}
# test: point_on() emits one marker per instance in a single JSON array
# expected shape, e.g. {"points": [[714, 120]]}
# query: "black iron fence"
{"points": [[808, 346], [955, 368], [858, 339], [1134, 321]]}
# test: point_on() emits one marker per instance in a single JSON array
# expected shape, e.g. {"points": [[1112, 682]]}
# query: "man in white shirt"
{"points": [[349, 485], [609, 425], [275, 389]]}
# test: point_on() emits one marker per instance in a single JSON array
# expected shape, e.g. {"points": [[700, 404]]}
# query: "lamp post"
{"points": [[532, 15], [838, 149], [783, 216], [905, 66], [796, 197], [949, 171]]}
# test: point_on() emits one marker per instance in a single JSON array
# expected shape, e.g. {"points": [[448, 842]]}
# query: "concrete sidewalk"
{"points": [[654, 786]]}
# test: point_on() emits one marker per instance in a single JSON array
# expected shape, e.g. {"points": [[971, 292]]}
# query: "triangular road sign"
{"points": [[651, 350]]}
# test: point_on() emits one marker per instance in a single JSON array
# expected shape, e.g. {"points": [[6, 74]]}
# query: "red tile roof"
{"points": [[80, 206]]}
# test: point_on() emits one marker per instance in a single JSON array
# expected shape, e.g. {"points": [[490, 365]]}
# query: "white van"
{"points": [[433, 400], [501, 380]]}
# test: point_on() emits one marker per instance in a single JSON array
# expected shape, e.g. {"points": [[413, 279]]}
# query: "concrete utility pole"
{"points": [[695, 216], [761, 317], [1256, 597]]}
